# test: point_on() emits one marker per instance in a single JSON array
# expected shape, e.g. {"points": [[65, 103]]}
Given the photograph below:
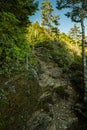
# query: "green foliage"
{"points": [[48, 19], [75, 34], [11, 56], [21, 9], [14, 82], [63, 59], [14, 16], [55, 51], [37, 34], [46, 13]]}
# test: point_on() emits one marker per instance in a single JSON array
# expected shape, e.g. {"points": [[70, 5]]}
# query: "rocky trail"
{"points": [[58, 98]]}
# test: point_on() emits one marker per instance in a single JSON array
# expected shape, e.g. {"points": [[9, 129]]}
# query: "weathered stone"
{"points": [[63, 117], [46, 81], [39, 121]]}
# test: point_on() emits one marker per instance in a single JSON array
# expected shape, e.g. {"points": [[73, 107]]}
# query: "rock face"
{"points": [[58, 98]]}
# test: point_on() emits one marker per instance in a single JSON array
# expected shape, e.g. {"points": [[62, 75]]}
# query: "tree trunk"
{"points": [[84, 61]]}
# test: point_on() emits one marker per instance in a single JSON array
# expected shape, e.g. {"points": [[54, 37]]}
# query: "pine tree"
{"points": [[78, 14], [48, 19], [22, 9], [75, 34]]}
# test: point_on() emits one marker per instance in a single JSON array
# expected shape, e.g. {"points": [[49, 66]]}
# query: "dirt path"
{"points": [[51, 78]]}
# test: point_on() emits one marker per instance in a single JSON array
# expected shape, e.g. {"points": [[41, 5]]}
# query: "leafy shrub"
{"points": [[13, 44], [56, 52]]}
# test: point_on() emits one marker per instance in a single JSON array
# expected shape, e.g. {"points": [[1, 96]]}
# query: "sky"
{"points": [[65, 23]]}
